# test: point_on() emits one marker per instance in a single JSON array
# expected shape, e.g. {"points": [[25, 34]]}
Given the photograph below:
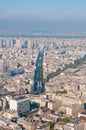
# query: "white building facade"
{"points": [[20, 104]]}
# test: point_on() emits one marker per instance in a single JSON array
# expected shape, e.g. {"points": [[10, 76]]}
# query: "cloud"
{"points": [[76, 14], [74, 11]]}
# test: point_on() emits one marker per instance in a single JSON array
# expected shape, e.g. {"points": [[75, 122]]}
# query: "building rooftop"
{"points": [[20, 98]]}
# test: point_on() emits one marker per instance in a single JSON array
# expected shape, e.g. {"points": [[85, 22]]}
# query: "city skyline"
{"points": [[42, 65], [43, 16]]}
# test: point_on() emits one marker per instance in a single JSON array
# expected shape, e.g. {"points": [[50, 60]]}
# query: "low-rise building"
{"points": [[73, 110], [74, 126], [55, 105]]}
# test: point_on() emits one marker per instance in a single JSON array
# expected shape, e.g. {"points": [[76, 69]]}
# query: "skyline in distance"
{"points": [[49, 16]]}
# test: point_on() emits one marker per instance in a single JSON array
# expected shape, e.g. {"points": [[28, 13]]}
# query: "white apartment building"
{"points": [[20, 104]]}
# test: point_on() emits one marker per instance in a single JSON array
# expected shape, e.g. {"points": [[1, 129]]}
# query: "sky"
{"points": [[43, 15]]}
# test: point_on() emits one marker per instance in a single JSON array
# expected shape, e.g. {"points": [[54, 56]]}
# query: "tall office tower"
{"points": [[3, 43], [7, 41], [11, 43], [29, 43], [18, 43], [0, 43]]}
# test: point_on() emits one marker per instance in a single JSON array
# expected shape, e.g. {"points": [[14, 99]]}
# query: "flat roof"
{"points": [[20, 98]]}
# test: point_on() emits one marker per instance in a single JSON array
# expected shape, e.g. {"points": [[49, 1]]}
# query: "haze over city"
{"points": [[43, 15], [42, 65]]}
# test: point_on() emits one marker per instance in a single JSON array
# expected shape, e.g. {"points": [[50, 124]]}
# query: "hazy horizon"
{"points": [[43, 15]]}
